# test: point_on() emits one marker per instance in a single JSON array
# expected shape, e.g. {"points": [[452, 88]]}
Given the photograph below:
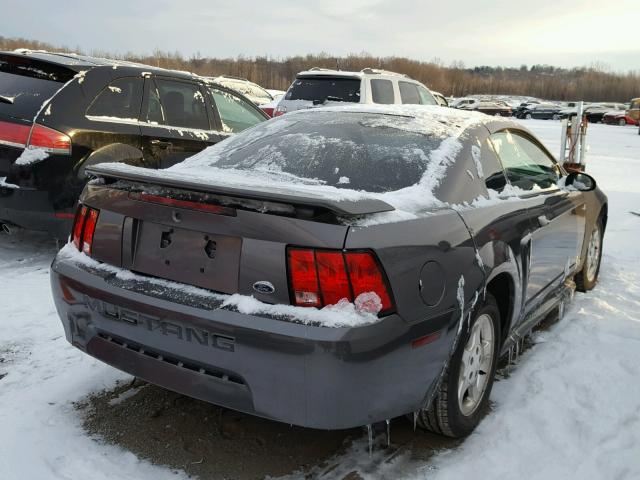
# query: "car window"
{"points": [[235, 113], [409, 93], [120, 99], [26, 83], [177, 104], [382, 91], [526, 165], [427, 98], [321, 88], [488, 166]]}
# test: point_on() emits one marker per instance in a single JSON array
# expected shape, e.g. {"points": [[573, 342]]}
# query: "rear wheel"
{"points": [[528, 116], [556, 116], [622, 122], [587, 278], [463, 395]]}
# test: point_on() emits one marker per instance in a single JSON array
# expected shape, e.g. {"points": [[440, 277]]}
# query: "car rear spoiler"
{"points": [[345, 207]]}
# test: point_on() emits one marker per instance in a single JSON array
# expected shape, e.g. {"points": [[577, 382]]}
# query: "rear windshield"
{"points": [[25, 84], [355, 150], [337, 89]]}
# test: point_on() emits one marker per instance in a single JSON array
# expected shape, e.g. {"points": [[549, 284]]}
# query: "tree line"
{"points": [[593, 83]]}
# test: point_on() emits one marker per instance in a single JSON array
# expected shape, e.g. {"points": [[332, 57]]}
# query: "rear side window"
{"points": [[382, 91], [409, 93], [120, 99], [235, 113], [177, 104], [25, 84], [427, 98], [526, 165], [338, 89]]}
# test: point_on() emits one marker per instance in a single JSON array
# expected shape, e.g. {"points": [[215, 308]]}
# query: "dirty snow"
{"points": [[570, 409]]}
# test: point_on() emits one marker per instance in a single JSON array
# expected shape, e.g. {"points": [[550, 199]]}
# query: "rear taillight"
{"points": [[14, 134], [49, 140], [280, 110], [324, 277], [84, 227]]}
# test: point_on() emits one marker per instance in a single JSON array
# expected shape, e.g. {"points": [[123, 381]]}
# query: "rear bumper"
{"points": [[328, 378], [33, 210]]}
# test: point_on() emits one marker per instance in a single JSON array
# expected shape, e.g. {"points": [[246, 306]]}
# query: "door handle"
{"points": [[543, 221], [161, 144]]}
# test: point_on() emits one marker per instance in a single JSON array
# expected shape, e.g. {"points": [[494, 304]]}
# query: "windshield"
{"points": [[321, 88], [354, 150]]}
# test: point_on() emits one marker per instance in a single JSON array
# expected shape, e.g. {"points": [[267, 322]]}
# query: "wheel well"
{"points": [[501, 287]]}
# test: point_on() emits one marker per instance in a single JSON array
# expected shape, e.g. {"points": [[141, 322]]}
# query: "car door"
{"points": [[557, 215], [175, 121], [232, 112]]}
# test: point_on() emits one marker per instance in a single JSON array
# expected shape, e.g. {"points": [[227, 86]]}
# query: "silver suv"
{"points": [[320, 86]]}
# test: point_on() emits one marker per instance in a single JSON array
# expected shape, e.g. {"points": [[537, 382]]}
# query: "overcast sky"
{"points": [[489, 32]]}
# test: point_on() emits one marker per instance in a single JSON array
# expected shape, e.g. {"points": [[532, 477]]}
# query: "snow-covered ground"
{"points": [[570, 409]]}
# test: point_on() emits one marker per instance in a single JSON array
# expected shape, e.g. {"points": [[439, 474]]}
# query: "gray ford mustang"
{"points": [[333, 267]]}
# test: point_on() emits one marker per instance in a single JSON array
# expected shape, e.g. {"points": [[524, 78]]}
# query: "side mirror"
{"points": [[581, 181]]}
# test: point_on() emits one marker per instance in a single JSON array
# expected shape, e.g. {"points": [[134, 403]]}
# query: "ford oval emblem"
{"points": [[264, 287]]}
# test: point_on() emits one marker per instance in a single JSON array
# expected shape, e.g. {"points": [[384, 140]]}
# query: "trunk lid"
{"points": [[214, 237]]}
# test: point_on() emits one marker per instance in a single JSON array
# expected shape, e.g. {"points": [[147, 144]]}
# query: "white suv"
{"points": [[320, 86]]}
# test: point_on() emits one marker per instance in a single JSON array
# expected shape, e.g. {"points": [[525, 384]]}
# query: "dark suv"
{"points": [[61, 113]]}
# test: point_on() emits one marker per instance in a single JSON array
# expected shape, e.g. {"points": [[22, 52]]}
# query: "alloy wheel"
{"points": [[593, 253], [476, 365]]}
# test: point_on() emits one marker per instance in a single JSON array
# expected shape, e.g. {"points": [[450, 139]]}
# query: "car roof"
{"points": [[364, 73], [83, 62]]}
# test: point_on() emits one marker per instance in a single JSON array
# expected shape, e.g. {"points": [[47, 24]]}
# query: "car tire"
{"points": [[449, 414], [556, 116], [587, 278], [497, 114], [622, 122], [528, 116]]}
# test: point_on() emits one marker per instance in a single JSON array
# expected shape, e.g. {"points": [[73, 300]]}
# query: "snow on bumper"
{"points": [[319, 377]]}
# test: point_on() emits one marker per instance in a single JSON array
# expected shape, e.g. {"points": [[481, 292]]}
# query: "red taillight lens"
{"points": [[49, 140], [88, 231], [332, 275], [14, 134], [84, 226], [78, 224], [304, 278], [279, 111], [366, 276], [324, 277]]}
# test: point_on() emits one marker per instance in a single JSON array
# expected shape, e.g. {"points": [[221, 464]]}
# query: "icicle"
{"points": [[388, 433], [415, 420], [370, 435]]}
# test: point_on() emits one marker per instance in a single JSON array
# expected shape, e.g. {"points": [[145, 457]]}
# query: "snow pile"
{"points": [[31, 155]]}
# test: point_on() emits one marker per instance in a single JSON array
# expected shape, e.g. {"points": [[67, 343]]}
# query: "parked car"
{"points": [[61, 113], [541, 111], [524, 106], [441, 99], [320, 86], [463, 102], [285, 273], [250, 90], [633, 112], [618, 117], [497, 108], [596, 111]]}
